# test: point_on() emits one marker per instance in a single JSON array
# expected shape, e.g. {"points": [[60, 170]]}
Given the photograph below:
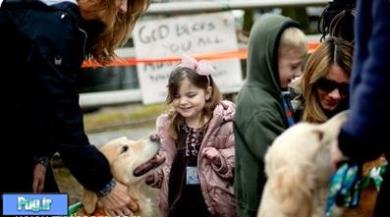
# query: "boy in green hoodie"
{"points": [[276, 51]]}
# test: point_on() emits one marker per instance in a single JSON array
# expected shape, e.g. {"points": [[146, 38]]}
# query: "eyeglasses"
{"points": [[329, 85]]}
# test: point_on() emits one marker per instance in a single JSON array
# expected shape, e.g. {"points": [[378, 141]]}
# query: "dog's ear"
{"points": [[89, 201], [331, 128], [292, 189]]}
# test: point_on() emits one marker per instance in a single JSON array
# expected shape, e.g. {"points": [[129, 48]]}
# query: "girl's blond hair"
{"points": [[331, 52], [118, 26]]}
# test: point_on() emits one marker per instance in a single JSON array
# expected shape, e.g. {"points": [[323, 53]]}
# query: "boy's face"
{"points": [[290, 66]]}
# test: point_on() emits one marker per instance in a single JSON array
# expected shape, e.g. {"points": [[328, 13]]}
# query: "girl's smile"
{"points": [[190, 101]]}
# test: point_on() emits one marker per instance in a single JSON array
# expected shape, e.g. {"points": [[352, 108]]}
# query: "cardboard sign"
{"points": [[191, 35]]}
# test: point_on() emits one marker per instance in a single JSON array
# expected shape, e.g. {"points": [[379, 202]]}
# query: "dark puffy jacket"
{"points": [[42, 49]]}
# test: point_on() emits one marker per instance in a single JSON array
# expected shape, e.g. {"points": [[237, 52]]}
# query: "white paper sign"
{"points": [[191, 35]]}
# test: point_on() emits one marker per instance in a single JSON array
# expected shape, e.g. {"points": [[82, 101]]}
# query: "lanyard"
{"points": [[288, 110]]}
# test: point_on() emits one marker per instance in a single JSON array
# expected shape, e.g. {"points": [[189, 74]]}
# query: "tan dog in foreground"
{"points": [[298, 170], [130, 162]]}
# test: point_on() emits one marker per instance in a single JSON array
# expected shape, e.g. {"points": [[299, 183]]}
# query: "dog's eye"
{"points": [[124, 149]]}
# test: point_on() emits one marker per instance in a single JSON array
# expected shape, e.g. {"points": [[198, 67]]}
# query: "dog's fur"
{"points": [[124, 157], [298, 170]]}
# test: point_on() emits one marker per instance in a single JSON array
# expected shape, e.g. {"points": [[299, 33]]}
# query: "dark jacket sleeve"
{"points": [[85, 162], [55, 58], [364, 135]]}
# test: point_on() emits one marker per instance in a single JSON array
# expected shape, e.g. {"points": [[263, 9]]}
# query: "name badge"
{"points": [[192, 176]]}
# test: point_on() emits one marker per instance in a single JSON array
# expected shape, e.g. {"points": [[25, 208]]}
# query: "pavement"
{"points": [[134, 121]]}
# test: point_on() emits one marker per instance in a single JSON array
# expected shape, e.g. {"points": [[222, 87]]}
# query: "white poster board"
{"points": [[191, 35]]}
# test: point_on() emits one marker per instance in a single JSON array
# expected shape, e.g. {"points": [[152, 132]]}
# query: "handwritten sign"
{"points": [[191, 35]]}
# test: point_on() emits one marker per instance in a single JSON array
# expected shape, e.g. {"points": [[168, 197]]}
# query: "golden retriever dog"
{"points": [[298, 170], [130, 162]]}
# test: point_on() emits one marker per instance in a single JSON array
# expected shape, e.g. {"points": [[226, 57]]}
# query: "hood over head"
{"points": [[262, 62]]}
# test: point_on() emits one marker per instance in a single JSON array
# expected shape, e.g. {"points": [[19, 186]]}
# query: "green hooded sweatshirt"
{"points": [[260, 117]]}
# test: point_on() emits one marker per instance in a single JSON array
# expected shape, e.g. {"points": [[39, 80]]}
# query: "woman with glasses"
{"points": [[325, 80], [325, 90]]}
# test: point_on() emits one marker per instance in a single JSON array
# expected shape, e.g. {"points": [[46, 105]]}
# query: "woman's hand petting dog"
{"points": [[39, 178], [118, 202]]}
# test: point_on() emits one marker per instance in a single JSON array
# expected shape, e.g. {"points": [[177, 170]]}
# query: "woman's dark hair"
{"points": [[337, 20]]}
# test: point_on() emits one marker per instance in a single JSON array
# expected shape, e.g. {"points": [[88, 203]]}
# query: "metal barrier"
{"points": [[207, 6]]}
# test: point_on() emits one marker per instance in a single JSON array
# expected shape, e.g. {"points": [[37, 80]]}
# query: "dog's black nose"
{"points": [[154, 137], [124, 149]]}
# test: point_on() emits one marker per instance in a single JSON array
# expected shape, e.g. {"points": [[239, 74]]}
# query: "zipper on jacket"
{"points": [[85, 40]]}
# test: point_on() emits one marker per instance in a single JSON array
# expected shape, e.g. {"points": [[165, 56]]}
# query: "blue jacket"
{"points": [[42, 49], [365, 134]]}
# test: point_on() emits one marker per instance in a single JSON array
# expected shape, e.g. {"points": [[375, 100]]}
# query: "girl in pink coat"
{"points": [[197, 141]]}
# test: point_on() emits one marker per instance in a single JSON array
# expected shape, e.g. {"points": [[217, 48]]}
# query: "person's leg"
{"points": [[382, 206]]}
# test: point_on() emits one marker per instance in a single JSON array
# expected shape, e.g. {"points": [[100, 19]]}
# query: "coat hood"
{"points": [[262, 64], [225, 111]]}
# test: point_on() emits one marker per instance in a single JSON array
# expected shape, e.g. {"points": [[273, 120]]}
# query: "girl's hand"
{"points": [[213, 155], [39, 178]]}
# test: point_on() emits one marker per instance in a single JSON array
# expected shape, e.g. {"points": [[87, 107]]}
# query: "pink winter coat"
{"points": [[216, 183]]}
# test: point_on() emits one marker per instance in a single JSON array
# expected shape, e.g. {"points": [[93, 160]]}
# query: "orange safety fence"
{"points": [[238, 54]]}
